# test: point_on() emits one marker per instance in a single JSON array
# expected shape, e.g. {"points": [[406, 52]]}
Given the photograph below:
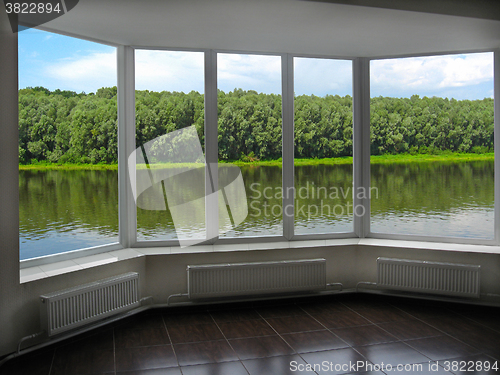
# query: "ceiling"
{"points": [[487, 9], [279, 26]]}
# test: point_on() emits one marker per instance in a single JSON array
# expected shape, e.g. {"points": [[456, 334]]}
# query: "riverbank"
{"points": [[383, 159], [376, 159]]}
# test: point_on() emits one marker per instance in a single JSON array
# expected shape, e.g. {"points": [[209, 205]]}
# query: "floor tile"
{"points": [[90, 341], [193, 333], [78, 362], [339, 361], [341, 319], [487, 316], [143, 321], [357, 302], [130, 338], [140, 344], [313, 341], [224, 368], [145, 358], [482, 338], [246, 328], [36, 363], [425, 312], [280, 311], [291, 324], [259, 347], [204, 352], [188, 318], [234, 315], [383, 314], [453, 324], [393, 353], [157, 371], [364, 335], [442, 347], [323, 308], [410, 329], [282, 365]]}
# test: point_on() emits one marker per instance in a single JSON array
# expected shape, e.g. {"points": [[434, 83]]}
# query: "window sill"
{"points": [[58, 268]]}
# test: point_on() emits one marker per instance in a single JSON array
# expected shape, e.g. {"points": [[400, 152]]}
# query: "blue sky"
{"points": [[58, 62]]}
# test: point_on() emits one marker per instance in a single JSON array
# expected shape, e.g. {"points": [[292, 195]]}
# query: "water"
{"points": [[68, 210]]}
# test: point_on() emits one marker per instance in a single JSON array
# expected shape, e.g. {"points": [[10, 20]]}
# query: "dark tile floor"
{"points": [[337, 334]]}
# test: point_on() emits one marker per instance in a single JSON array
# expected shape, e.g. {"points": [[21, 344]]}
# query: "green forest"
{"points": [[67, 127]]}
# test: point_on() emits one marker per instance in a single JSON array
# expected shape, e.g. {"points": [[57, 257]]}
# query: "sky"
{"points": [[59, 62]]}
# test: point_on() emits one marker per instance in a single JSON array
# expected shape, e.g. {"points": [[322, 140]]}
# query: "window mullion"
{"points": [[211, 148], [126, 146], [287, 97], [361, 146], [496, 140]]}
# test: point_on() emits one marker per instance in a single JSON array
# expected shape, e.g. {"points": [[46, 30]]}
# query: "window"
{"points": [[68, 183], [249, 136], [432, 121], [431, 146], [170, 175], [323, 146]]}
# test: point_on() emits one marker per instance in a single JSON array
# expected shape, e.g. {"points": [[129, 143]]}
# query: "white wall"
{"points": [[19, 304]]}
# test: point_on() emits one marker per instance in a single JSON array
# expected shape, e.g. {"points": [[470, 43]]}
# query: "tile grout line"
{"points": [[286, 342], [52, 362], [223, 335], [398, 340], [114, 351], [171, 343], [445, 333], [422, 321]]}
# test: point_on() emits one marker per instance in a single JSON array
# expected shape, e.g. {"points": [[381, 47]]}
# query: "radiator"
{"points": [[461, 280], [221, 280], [81, 305]]}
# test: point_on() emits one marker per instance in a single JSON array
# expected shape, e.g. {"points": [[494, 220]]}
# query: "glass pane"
{"points": [[323, 146], [432, 162], [68, 180], [170, 163], [249, 102]]}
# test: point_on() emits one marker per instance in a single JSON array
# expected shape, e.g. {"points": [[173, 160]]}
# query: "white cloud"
{"points": [[460, 76], [433, 75], [261, 73], [89, 72], [322, 76], [169, 71]]}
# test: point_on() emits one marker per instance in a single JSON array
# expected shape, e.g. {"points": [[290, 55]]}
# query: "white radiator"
{"points": [[461, 280], [81, 305], [220, 280]]}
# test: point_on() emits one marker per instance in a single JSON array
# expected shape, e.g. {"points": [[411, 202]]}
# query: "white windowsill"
{"points": [[59, 268]]}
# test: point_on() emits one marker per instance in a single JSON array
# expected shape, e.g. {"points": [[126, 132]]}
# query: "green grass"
{"points": [[452, 157], [67, 167], [383, 159], [377, 159]]}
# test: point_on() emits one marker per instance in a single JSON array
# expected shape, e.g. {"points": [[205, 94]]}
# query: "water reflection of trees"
{"points": [[65, 200], [428, 187]]}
